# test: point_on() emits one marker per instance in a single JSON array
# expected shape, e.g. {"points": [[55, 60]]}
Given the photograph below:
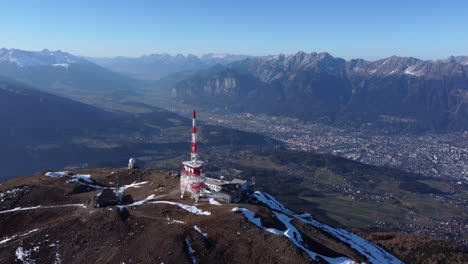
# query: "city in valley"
{"points": [[430, 154]]}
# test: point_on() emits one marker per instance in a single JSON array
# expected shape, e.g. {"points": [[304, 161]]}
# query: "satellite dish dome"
{"points": [[132, 161]]}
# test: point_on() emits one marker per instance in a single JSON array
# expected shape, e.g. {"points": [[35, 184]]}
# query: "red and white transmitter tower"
{"points": [[192, 176]]}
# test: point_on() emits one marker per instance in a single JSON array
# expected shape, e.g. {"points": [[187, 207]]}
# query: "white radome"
{"points": [[132, 161]]}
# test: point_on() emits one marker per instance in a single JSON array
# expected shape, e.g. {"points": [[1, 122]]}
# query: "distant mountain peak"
{"points": [[317, 85], [157, 65], [463, 60], [45, 57]]}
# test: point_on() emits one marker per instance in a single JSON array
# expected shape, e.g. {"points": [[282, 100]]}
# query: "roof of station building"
{"points": [[193, 164]]}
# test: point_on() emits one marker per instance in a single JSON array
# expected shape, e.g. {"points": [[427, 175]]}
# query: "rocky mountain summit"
{"points": [[50, 217]]}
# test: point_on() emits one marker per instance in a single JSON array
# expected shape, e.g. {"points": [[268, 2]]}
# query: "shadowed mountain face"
{"points": [[30, 115], [61, 72], [403, 91], [35, 125]]}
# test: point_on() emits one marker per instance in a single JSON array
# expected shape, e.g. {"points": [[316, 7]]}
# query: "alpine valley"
{"points": [[350, 161]]}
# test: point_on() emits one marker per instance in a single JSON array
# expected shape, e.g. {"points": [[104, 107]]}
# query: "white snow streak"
{"points": [[205, 235], [41, 207], [392, 72], [122, 189], [292, 234], [171, 221], [411, 71], [190, 250], [213, 201], [97, 187], [3, 241], [85, 178], [149, 198], [65, 65], [374, 253], [190, 208]]}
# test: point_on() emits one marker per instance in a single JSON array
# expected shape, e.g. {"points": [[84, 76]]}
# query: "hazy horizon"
{"points": [[230, 53], [365, 29]]}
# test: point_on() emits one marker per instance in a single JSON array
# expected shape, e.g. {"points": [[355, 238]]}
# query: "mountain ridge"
{"points": [[62, 73], [24, 58], [312, 86]]}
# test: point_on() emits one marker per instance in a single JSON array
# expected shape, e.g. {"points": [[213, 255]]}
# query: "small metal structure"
{"points": [[192, 175]]}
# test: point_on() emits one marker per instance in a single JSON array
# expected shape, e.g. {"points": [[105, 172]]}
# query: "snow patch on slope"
{"points": [[189, 208], [374, 253], [24, 256], [411, 71], [147, 199], [97, 187], [292, 234], [41, 207], [205, 235], [171, 221], [64, 65], [190, 250], [84, 179], [214, 202], [122, 189]]}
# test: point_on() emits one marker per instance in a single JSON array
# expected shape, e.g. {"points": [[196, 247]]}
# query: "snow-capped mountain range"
{"points": [[60, 72], [317, 85], [307, 85], [45, 57], [268, 68]]}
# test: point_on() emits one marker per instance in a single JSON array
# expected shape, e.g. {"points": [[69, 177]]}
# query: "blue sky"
{"points": [[349, 29]]}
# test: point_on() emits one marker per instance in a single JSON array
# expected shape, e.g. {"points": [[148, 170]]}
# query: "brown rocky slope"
{"points": [[53, 220]]}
